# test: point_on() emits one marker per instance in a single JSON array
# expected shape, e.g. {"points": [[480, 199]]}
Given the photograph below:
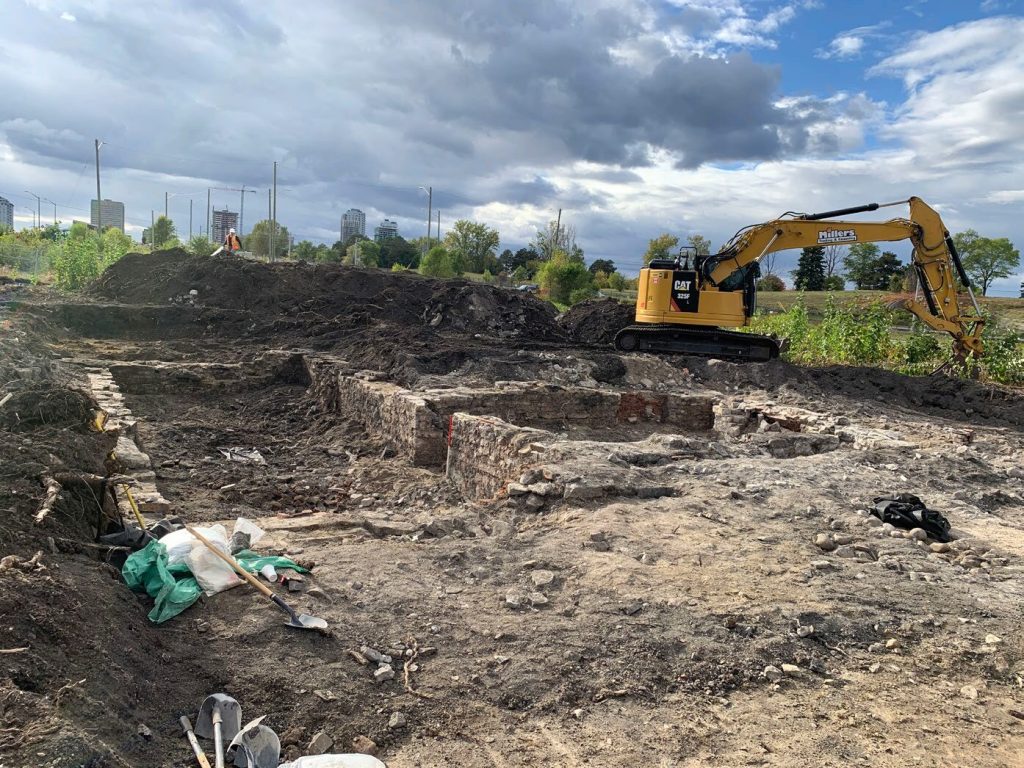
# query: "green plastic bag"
{"points": [[173, 587]]}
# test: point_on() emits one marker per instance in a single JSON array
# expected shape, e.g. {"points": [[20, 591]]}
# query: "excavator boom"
{"points": [[681, 306]]}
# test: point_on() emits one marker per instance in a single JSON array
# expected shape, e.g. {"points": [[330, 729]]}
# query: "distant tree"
{"points": [[561, 275], [304, 250], [701, 243], [200, 245], [510, 262], [887, 267], [164, 235], [353, 239], [473, 242], [833, 256], [602, 265], [52, 232], [985, 259], [323, 252], [258, 241], [600, 279], [364, 253], [398, 250], [617, 281], [336, 253], [810, 270], [487, 276], [438, 262], [556, 237], [660, 248], [860, 263], [834, 283], [771, 283], [521, 274], [898, 281]]}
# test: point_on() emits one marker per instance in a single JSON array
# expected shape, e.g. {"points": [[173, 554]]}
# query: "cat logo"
{"points": [[681, 285], [828, 236]]}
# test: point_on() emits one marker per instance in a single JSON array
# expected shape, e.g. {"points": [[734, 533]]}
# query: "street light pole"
{"points": [[39, 214], [99, 197], [54, 209]]}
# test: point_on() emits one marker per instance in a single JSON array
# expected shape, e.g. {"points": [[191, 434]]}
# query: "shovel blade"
{"points": [[257, 747], [230, 714], [305, 621]]}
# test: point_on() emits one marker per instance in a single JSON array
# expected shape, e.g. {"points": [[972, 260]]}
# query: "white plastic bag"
{"points": [[212, 573], [179, 543], [249, 528], [335, 761]]}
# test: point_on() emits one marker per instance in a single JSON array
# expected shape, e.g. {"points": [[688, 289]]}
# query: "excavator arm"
{"points": [[935, 260]]}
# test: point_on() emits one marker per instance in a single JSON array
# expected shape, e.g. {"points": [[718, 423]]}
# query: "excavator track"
{"points": [[701, 341]]}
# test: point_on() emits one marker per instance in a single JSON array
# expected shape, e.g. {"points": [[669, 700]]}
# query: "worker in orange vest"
{"points": [[231, 243]]}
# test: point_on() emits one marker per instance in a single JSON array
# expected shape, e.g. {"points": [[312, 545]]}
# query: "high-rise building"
{"points": [[222, 222], [353, 222], [113, 214], [6, 214], [386, 230]]}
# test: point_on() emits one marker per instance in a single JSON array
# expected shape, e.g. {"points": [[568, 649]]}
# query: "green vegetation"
{"points": [[81, 256], [439, 262], [986, 259], [852, 334]]}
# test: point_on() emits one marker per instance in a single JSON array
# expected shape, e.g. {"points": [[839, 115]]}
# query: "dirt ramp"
{"points": [[596, 321], [313, 292]]}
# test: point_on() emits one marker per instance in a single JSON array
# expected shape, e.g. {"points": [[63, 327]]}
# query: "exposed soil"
{"points": [[663, 623], [596, 321]]}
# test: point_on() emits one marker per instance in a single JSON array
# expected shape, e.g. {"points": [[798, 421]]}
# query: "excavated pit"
{"points": [[577, 541]]}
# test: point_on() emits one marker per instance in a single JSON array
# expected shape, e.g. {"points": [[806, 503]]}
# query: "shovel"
{"points": [[297, 620], [200, 756], [220, 717], [255, 746]]}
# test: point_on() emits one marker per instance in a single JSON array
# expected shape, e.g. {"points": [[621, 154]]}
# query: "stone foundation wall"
{"points": [[486, 452]]}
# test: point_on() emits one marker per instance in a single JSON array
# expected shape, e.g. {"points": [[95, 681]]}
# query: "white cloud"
{"points": [[850, 44], [65, 16], [1005, 196]]}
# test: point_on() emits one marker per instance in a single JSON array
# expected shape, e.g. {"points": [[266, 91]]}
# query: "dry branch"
{"points": [[52, 491]]}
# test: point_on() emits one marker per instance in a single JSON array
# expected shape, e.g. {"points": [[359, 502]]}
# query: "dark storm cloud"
{"points": [[362, 102]]}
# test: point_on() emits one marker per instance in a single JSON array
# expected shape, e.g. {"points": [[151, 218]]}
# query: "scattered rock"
{"points": [[541, 578], [805, 630], [940, 547], [320, 744], [374, 655], [398, 720], [790, 669], [144, 731], [537, 598], [824, 542], [383, 673], [772, 673], [893, 643], [364, 745], [516, 598], [874, 668], [969, 692], [918, 534], [991, 639]]}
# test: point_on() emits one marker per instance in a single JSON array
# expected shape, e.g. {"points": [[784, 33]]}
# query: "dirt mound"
{"points": [[312, 293], [596, 321]]}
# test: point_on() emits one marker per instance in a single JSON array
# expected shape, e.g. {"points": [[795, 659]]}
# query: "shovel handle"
{"points": [[200, 755], [232, 562]]}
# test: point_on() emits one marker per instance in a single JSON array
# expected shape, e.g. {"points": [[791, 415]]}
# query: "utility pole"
{"points": [[54, 209], [99, 197], [273, 218], [209, 235], [430, 213], [558, 229]]}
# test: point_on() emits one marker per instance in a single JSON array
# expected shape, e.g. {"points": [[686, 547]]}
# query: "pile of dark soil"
{"points": [[596, 321], [314, 293]]}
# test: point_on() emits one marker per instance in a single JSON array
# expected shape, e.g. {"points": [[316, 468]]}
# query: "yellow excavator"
{"points": [[683, 303]]}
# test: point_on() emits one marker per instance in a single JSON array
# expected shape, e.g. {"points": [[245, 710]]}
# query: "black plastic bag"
{"points": [[906, 511]]}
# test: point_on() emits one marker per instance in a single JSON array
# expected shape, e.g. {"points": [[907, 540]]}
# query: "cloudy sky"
{"points": [[635, 117]]}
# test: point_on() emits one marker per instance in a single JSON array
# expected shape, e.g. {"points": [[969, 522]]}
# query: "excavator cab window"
{"points": [[687, 257]]}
